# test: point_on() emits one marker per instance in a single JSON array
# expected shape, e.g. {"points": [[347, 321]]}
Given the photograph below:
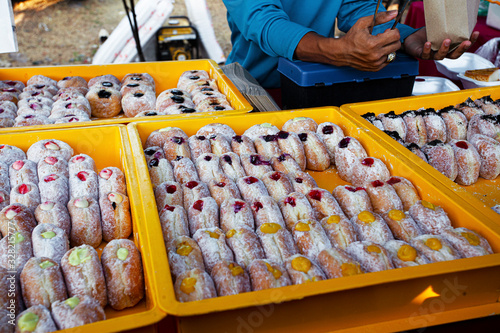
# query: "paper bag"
{"points": [[8, 40], [453, 19]]}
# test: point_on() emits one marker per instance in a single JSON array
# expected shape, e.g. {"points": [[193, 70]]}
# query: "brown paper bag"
{"points": [[453, 19]]}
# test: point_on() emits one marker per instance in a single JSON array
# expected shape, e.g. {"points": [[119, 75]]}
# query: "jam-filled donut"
{"points": [[278, 185], [202, 85], [468, 162], [331, 134], [23, 171], [369, 169], [191, 76], [265, 211], [72, 81], [442, 157], [176, 146], [456, 123], [469, 108], [223, 189], [4, 199], [168, 193], [323, 203], [203, 213], [194, 285], [417, 151], [9, 154], [175, 109], [435, 125], [107, 80], [184, 170], [290, 143], [16, 217], [138, 101], [201, 95], [286, 164], [230, 279], [84, 183], [230, 165], [371, 227], [489, 153], [54, 188], [219, 144], [192, 191], [302, 270], [406, 191], [16, 84], [310, 238], [173, 98], [430, 218], [383, 196], [372, 256], [159, 137], [67, 93], [263, 129], [234, 214], [212, 242], [403, 254], [115, 216], [208, 167], [295, 207], [160, 169], [242, 144], [467, 242], [348, 151], [402, 225], [49, 147], [104, 102], [53, 165], [255, 165], [174, 223], [302, 182], [218, 104], [142, 78], [53, 213], [352, 200], [212, 129], [317, 156], [267, 146], [184, 255], [394, 122], [277, 242], [266, 274], [32, 120], [26, 194], [199, 145], [78, 102], [335, 262], [435, 248], [300, 124], [34, 108], [416, 132]]}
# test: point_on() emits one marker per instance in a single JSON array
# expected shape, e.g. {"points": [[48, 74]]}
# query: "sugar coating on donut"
{"points": [[371, 256], [430, 218]]}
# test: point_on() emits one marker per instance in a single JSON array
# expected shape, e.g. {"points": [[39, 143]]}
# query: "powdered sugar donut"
{"points": [[199, 145], [209, 105], [435, 248], [216, 128], [230, 279], [302, 182], [176, 146], [16, 84], [277, 242], [442, 157], [160, 169], [26, 194], [468, 162], [32, 120], [230, 165], [403, 254], [77, 311], [81, 162], [201, 85], [191, 76], [208, 167], [267, 146], [167, 103], [174, 223], [435, 125], [9, 154], [484, 124], [372, 257], [394, 122], [52, 165], [242, 144], [383, 197], [290, 143], [402, 225], [49, 147], [339, 230], [192, 191], [112, 179], [85, 221], [300, 124], [168, 193], [63, 113], [331, 134], [69, 93], [430, 218], [142, 78], [352, 200], [223, 189], [41, 79], [467, 242], [79, 102], [72, 81], [34, 108], [323, 203], [469, 108], [286, 164], [20, 247], [4, 199], [260, 130], [49, 241], [371, 227], [54, 188], [203, 95], [317, 156], [416, 131], [235, 214], [487, 104], [456, 123], [107, 80], [310, 238], [184, 170], [184, 255], [255, 165], [265, 211], [303, 270], [138, 101], [8, 109], [194, 285], [84, 184], [348, 151], [53, 213], [16, 217], [212, 242], [294, 208], [278, 185], [266, 274], [251, 188], [38, 317], [245, 245], [203, 213], [337, 263], [219, 144], [417, 151], [369, 169], [405, 190], [489, 152], [104, 102], [23, 171], [115, 216]]}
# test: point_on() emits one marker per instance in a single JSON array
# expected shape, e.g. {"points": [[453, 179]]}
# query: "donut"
{"points": [[467, 242], [66, 94], [203, 213], [417, 151], [107, 80], [484, 124], [456, 123], [441, 157], [41, 79], [50, 147], [258, 130], [371, 227], [302, 182], [85, 221], [489, 153], [277, 242], [138, 101], [34, 319], [173, 102], [194, 285], [368, 169], [310, 238], [302, 270], [278, 185], [339, 230], [44, 89], [111, 179], [42, 282], [153, 152], [168, 193], [219, 144], [184, 170], [65, 116], [242, 144], [469, 108], [4, 199], [52, 165], [245, 245], [487, 104], [18, 246], [265, 210], [6, 122], [104, 102], [72, 81], [199, 145], [54, 188], [32, 120], [191, 76], [174, 223], [209, 105], [83, 274], [435, 248], [192, 191], [300, 124], [223, 189], [371, 256], [255, 165], [430, 218], [335, 262], [9, 154], [352, 200], [266, 274], [251, 188], [230, 164], [77, 311], [286, 164], [323, 203], [403, 254], [115, 216], [84, 183], [216, 129], [234, 214], [142, 78], [406, 191], [468, 162], [75, 103], [402, 225], [16, 217], [160, 170], [204, 84], [202, 95], [212, 242], [267, 146], [416, 132], [4, 177], [26, 194], [435, 125], [54, 213], [23, 171], [167, 94], [294, 208], [11, 95], [230, 279], [16, 84], [289, 143], [184, 255], [208, 167], [348, 151], [9, 109], [176, 146], [122, 267], [317, 156], [383, 196], [393, 122], [331, 134], [36, 108], [49, 241]]}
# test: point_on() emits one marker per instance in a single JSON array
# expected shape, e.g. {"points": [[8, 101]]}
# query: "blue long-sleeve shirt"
{"points": [[263, 30]]}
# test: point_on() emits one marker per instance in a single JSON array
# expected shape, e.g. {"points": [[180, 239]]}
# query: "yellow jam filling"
{"points": [[16, 238], [48, 234], [301, 226], [276, 272], [333, 219], [28, 322], [301, 264], [429, 205], [230, 233], [434, 244], [78, 256], [213, 234], [396, 214], [184, 249], [471, 238], [46, 264], [270, 228], [349, 268], [187, 285], [122, 253], [407, 253], [72, 302], [366, 216], [373, 248], [235, 269]]}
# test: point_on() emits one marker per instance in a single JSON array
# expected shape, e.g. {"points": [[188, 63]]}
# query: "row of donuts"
{"points": [[47, 184], [173, 211], [460, 141], [74, 291]]}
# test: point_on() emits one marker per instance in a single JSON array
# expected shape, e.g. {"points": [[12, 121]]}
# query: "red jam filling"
{"points": [[23, 189], [171, 189], [269, 138], [368, 161], [228, 159], [50, 178], [328, 129], [221, 184], [462, 144], [377, 183], [198, 205], [275, 176], [51, 160], [303, 137], [169, 208], [315, 194], [208, 158], [283, 134], [238, 138], [290, 201], [238, 205], [251, 180], [82, 175], [344, 142], [257, 206], [192, 184], [256, 160], [299, 180], [393, 181]]}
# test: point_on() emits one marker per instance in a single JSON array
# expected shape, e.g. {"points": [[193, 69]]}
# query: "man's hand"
{"points": [[417, 45]]}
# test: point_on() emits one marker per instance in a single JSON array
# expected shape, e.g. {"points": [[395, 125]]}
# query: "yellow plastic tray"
{"points": [[165, 73], [109, 146], [486, 191], [400, 297]]}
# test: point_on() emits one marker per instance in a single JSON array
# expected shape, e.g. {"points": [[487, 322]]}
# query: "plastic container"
{"points": [[425, 85], [306, 84], [484, 194], [109, 146], [393, 300], [165, 73], [469, 83], [468, 61]]}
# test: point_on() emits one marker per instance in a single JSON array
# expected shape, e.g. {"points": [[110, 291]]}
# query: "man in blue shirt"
{"points": [[263, 30]]}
